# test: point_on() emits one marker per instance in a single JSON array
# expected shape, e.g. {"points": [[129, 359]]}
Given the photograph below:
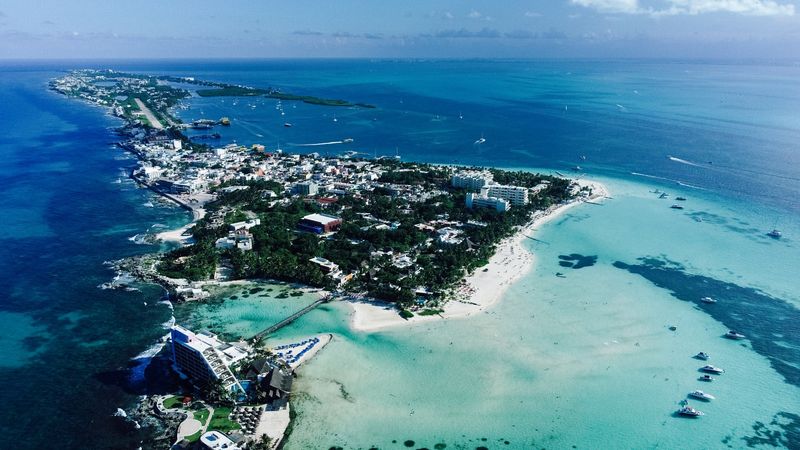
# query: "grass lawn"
{"points": [[201, 415], [195, 437], [220, 421], [172, 402]]}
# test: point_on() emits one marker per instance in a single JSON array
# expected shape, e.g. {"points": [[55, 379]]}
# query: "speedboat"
{"points": [[775, 234], [733, 334], [288, 125], [690, 412], [708, 300], [701, 395], [480, 141], [680, 199], [347, 140], [676, 206], [702, 355], [706, 377], [712, 369]]}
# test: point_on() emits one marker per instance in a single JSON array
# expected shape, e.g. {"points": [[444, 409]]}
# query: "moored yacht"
{"points": [[712, 369], [701, 395], [775, 234], [688, 411], [733, 334], [702, 355], [676, 206], [706, 377], [708, 300]]}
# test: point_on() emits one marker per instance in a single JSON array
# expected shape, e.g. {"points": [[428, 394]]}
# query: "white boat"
{"points": [[712, 369], [701, 395], [690, 412], [708, 300], [733, 334], [706, 377], [775, 234], [702, 355], [480, 141]]}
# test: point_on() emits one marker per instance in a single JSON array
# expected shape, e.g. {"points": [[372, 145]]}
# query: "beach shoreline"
{"points": [[484, 287]]}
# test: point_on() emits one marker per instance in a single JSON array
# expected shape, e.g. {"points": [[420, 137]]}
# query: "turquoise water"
{"points": [[241, 311], [586, 360], [573, 361]]}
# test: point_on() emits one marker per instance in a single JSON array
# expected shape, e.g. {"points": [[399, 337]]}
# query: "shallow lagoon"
{"points": [[582, 359]]}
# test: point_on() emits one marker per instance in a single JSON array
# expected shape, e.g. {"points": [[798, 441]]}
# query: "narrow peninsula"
{"points": [[430, 241]]}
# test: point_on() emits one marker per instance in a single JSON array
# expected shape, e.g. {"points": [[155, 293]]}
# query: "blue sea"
{"points": [[583, 361]]}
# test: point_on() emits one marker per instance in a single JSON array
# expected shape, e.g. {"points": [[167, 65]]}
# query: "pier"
{"points": [[266, 332]]}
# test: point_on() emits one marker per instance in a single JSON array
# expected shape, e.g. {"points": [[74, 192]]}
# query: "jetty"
{"points": [[267, 331]]}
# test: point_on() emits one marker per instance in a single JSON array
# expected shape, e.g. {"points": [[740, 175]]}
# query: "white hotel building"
{"points": [[203, 358], [472, 181], [516, 195], [477, 201]]}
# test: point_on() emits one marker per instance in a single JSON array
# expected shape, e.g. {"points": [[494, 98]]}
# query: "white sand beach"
{"points": [[486, 285]]}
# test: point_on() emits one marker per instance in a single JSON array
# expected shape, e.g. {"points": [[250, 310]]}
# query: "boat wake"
{"points": [[317, 144], [683, 161], [671, 180]]}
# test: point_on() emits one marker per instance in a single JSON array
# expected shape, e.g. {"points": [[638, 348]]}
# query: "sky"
{"points": [[724, 29]]}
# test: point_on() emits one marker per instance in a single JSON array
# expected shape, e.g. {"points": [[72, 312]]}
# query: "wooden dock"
{"points": [[266, 332]]}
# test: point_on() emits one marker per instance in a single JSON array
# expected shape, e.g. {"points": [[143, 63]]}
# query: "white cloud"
{"points": [[692, 7], [532, 14], [474, 14]]}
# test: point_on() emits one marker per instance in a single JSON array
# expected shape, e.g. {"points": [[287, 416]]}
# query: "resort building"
{"points": [[472, 180], [325, 265], [516, 195], [214, 440], [240, 239], [319, 223], [203, 358], [244, 225], [477, 201]]}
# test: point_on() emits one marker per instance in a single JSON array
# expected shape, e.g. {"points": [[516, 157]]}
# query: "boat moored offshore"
{"points": [[712, 369], [733, 334], [701, 395]]}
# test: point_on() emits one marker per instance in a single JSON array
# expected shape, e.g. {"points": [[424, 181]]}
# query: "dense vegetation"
{"points": [[379, 226], [231, 91], [315, 100]]}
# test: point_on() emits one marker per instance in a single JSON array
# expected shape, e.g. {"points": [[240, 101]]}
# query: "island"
{"points": [[429, 241]]}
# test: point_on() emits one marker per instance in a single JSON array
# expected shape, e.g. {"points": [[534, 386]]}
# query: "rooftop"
{"points": [[321, 218]]}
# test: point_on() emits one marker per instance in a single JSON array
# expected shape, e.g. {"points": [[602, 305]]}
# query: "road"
{"points": [[149, 114]]}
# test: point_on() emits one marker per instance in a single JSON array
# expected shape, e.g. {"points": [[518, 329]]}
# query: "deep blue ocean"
{"points": [[69, 349]]}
